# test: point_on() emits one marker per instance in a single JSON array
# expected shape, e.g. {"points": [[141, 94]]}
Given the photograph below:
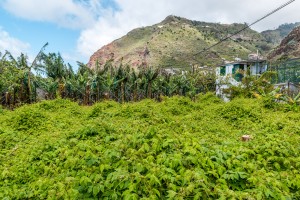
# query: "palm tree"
{"points": [[122, 77], [84, 78], [150, 75], [22, 64], [56, 69], [135, 79], [9, 80], [97, 78], [168, 85]]}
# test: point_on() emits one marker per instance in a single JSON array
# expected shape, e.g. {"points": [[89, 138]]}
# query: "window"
{"points": [[237, 72], [223, 70]]}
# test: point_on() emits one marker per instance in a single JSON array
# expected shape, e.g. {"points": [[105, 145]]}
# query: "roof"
{"points": [[245, 62]]}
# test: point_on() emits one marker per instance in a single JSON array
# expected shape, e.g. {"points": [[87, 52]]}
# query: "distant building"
{"points": [[287, 73], [233, 72]]}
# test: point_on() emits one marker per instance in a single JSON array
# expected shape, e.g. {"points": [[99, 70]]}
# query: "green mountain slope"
{"points": [[276, 36], [174, 41]]}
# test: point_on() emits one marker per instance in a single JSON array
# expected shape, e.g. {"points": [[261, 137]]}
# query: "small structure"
{"points": [[288, 75], [232, 73], [292, 89], [287, 70], [172, 71]]}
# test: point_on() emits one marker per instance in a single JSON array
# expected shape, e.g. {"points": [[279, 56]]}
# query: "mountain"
{"points": [[175, 42], [277, 35], [289, 47]]}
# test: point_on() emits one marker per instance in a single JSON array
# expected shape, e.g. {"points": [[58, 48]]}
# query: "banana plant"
{"points": [[121, 80], [98, 78], [22, 63], [150, 74], [57, 70], [134, 82], [291, 100]]}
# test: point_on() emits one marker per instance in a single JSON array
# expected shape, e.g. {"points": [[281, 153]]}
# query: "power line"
{"points": [[247, 26]]}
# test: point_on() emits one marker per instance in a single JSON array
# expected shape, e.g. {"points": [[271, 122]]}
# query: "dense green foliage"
{"points": [[175, 149], [49, 77]]}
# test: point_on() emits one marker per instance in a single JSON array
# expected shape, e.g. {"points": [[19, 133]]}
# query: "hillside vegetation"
{"points": [[277, 35], [289, 46], [174, 41], [176, 149]]}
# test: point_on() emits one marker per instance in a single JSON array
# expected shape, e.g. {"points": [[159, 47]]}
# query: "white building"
{"points": [[232, 73]]}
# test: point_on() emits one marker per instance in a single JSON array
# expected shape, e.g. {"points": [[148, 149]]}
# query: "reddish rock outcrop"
{"points": [[107, 52]]}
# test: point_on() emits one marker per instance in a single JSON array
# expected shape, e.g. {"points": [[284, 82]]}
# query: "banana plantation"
{"points": [[48, 77]]}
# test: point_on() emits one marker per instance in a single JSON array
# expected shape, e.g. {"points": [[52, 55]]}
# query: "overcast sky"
{"points": [[77, 28]]}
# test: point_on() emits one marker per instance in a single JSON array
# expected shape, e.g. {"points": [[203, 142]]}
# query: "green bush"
{"points": [[176, 149], [99, 108], [28, 119], [240, 109]]}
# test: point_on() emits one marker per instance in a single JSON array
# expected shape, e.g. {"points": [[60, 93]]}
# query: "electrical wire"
{"points": [[246, 27]]}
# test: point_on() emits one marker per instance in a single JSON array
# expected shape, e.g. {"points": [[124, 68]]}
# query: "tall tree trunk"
{"points": [[29, 88], [122, 92], [135, 92], [34, 94], [21, 93], [87, 95], [149, 90], [14, 100], [98, 94], [117, 95]]}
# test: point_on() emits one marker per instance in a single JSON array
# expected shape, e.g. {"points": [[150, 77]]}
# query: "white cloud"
{"points": [[99, 25], [65, 13], [135, 13], [103, 32], [11, 44]]}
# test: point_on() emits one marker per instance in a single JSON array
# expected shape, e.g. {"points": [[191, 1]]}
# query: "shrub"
{"points": [[28, 120], [178, 149]]}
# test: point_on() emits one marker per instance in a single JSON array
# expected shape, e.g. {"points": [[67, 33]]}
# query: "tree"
{"points": [[56, 69], [22, 63], [150, 75]]}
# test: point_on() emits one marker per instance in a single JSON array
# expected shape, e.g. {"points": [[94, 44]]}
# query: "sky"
{"points": [[78, 28]]}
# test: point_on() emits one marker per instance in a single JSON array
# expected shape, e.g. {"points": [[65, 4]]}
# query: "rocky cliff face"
{"points": [[289, 47], [102, 55]]}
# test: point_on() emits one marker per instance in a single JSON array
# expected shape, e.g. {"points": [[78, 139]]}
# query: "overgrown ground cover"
{"points": [[175, 149]]}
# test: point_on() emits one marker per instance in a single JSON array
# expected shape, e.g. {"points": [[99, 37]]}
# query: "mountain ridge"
{"points": [[277, 35], [289, 46], [175, 41]]}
